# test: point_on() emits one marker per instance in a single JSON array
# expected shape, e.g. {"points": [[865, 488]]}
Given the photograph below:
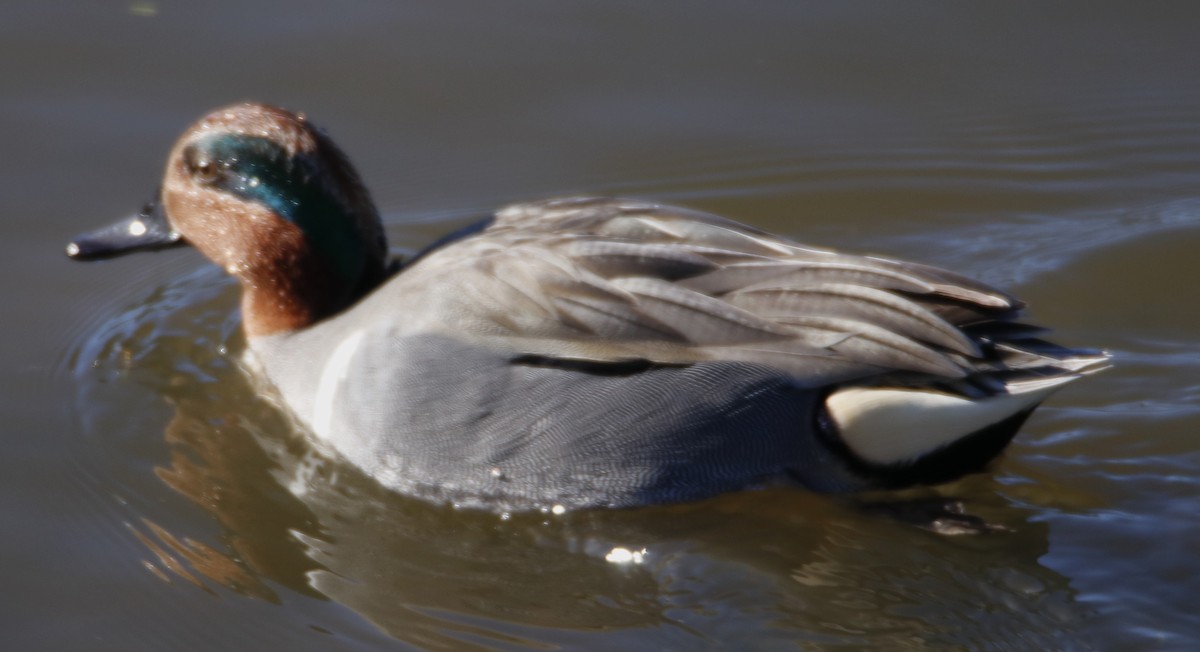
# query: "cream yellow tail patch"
{"points": [[887, 425]]}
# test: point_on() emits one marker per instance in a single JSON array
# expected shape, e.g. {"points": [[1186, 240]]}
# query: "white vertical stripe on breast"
{"points": [[331, 379]]}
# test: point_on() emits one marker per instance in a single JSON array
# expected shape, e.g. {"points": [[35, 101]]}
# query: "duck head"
{"points": [[268, 197]]}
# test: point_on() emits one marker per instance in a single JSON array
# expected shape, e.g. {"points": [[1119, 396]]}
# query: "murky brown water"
{"points": [[151, 501]]}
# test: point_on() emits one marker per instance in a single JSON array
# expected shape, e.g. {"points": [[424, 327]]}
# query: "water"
{"points": [[152, 501]]}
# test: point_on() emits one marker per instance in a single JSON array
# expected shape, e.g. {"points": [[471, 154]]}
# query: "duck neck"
{"points": [[284, 298], [267, 311]]}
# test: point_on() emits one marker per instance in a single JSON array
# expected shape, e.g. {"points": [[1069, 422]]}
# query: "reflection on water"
{"points": [[778, 565]]}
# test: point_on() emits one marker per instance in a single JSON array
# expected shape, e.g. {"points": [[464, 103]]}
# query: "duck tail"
{"points": [[914, 432]]}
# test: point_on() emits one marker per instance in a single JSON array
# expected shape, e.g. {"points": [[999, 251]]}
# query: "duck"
{"points": [[589, 352]]}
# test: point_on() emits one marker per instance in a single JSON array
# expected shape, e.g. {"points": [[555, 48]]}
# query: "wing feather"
{"points": [[619, 280], [855, 302]]}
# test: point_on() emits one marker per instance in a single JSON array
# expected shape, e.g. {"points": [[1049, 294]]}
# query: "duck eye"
{"points": [[205, 170], [202, 166]]}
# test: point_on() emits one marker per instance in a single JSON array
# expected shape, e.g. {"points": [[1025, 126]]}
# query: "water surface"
{"points": [[153, 501]]}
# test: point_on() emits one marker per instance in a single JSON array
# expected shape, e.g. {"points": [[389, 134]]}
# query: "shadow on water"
{"points": [[279, 519]]}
